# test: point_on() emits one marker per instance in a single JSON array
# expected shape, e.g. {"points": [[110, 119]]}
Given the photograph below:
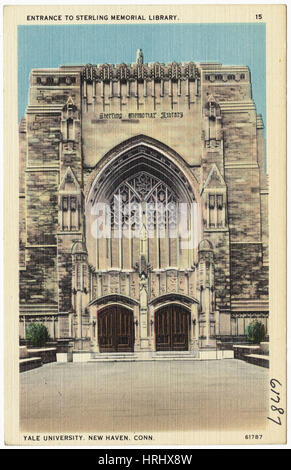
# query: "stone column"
{"points": [[24, 327], [194, 327], [70, 325], [143, 288], [217, 324], [151, 329], [207, 313], [206, 284], [80, 263], [92, 328], [53, 320], [143, 309], [58, 318], [136, 325], [79, 313], [96, 344]]}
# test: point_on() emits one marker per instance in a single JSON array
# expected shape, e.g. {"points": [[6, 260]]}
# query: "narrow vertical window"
{"points": [[73, 204], [64, 204], [219, 202], [216, 210], [70, 129]]}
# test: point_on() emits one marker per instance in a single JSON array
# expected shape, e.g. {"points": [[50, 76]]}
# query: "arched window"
{"points": [[143, 195], [144, 220], [141, 211], [143, 207]]}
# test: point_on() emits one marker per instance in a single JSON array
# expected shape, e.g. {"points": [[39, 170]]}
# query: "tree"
{"points": [[37, 334], [256, 332]]}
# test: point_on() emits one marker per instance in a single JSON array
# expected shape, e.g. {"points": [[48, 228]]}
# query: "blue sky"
{"points": [[230, 44]]}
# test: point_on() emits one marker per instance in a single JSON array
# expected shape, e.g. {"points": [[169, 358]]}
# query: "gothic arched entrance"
{"points": [[172, 328], [143, 226], [115, 329]]}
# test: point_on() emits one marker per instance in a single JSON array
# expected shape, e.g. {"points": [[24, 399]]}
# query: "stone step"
{"points": [[265, 347], [160, 356], [113, 357], [170, 353], [241, 350], [135, 357], [111, 360], [175, 358], [140, 359], [258, 356], [113, 354], [29, 363], [257, 359], [23, 352]]}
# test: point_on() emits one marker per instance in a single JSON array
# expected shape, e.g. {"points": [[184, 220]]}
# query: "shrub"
{"points": [[256, 332], [37, 334]]}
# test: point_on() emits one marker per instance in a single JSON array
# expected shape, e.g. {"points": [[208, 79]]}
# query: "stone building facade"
{"points": [[143, 206]]}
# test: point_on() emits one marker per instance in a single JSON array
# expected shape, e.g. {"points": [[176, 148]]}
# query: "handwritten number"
{"points": [[276, 422], [280, 410], [274, 383]]}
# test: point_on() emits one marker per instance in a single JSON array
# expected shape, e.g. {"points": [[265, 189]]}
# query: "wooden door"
{"points": [[115, 330], [172, 326]]}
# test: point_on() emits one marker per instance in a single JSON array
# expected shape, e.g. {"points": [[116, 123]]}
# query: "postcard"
{"points": [[145, 244]]}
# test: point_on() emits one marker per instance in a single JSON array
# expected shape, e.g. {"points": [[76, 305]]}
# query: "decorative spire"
{"points": [[139, 56]]}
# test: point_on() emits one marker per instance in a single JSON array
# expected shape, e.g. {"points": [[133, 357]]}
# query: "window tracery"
{"points": [[143, 195]]}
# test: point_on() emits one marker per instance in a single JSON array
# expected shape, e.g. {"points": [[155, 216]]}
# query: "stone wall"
{"points": [[38, 282], [249, 278], [22, 165], [75, 118]]}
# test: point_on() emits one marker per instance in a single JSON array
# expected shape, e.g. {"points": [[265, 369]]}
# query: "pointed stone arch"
{"points": [[69, 182], [172, 186], [214, 179], [167, 161], [69, 202]]}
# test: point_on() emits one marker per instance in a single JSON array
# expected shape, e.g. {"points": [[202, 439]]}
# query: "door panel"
{"points": [[172, 325], [115, 330], [163, 330]]}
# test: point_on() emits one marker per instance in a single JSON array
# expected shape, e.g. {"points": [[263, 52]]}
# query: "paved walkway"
{"points": [[144, 396]]}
